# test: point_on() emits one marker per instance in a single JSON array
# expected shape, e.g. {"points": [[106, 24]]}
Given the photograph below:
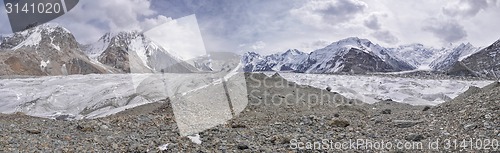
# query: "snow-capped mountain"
{"points": [[44, 50], [133, 52], [453, 55], [418, 55], [95, 49], [348, 55], [216, 62], [484, 63], [291, 60]]}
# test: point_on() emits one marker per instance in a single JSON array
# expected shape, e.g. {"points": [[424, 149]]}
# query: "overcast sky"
{"points": [[269, 26]]}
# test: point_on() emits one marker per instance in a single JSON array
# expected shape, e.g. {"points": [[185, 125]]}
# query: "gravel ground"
{"points": [[281, 117]]}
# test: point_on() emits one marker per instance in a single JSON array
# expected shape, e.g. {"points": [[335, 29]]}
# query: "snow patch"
{"points": [[137, 45], [163, 147], [44, 64], [195, 138], [54, 45], [33, 40]]}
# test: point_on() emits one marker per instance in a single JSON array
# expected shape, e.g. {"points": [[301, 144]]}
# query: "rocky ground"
{"points": [[432, 75], [281, 117]]}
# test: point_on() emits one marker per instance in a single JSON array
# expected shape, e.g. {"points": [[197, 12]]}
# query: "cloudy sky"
{"points": [[269, 26]]}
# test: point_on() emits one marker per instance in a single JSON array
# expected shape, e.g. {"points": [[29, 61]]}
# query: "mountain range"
{"points": [[347, 55], [355, 55], [52, 50]]}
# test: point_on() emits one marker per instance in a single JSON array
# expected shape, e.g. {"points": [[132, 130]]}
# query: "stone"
{"points": [[471, 126], [339, 123], [386, 111], [85, 128], [104, 127], [33, 131], [415, 137], [405, 123], [62, 117], [426, 108], [242, 147]]}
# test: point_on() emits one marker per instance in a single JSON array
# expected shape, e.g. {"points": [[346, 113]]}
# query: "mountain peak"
{"points": [[462, 45], [122, 34], [414, 45], [47, 28], [352, 40], [293, 52], [52, 33], [497, 42], [251, 53]]}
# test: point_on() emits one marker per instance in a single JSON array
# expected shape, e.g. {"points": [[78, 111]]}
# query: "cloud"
{"points": [[98, 17], [224, 24], [258, 45], [467, 8], [448, 30], [318, 44], [372, 22], [153, 22], [385, 36], [329, 11]]}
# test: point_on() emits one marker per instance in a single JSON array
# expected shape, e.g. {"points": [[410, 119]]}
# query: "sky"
{"points": [[270, 26]]}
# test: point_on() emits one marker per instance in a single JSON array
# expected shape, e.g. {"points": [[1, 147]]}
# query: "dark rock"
{"points": [[336, 115], [426, 108], [33, 131], [62, 117], [242, 147], [405, 123], [235, 126], [339, 123], [280, 140], [329, 89], [415, 137], [386, 111], [85, 128]]}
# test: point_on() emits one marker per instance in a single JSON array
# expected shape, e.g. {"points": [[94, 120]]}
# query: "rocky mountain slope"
{"points": [[52, 50], [484, 63], [352, 55], [291, 60], [44, 50], [132, 52], [446, 61]]}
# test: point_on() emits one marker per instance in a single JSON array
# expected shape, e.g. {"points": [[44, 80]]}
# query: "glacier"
{"points": [[95, 95], [371, 89]]}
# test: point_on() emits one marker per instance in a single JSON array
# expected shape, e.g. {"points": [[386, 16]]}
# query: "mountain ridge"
{"points": [[414, 56], [47, 49], [132, 52]]}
